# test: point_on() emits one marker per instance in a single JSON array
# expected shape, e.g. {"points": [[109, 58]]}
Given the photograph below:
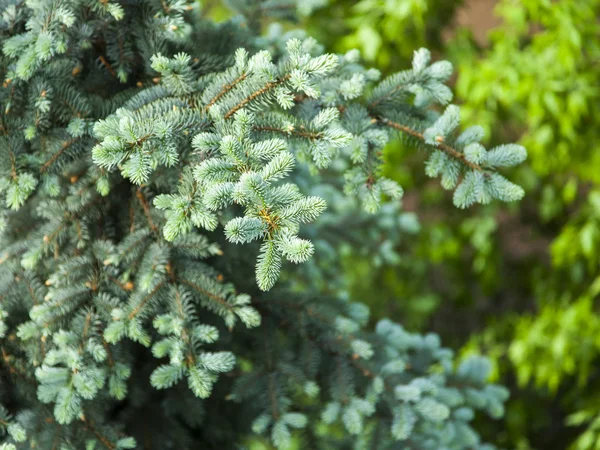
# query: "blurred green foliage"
{"points": [[521, 286], [385, 31], [540, 76]]}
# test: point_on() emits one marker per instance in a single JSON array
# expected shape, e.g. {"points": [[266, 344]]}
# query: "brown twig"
{"points": [[142, 199], [146, 299], [106, 64], [266, 88], [57, 154], [225, 90], [312, 135], [103, 439], [440, 144]]}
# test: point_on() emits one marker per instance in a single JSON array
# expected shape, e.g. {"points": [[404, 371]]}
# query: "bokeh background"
{"points": [[519, 284]]}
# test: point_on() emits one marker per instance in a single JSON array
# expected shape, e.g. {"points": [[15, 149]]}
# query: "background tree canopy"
{"points": [[521, 284]]}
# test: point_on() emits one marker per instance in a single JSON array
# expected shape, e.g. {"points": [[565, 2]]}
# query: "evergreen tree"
{"points": [[130, 132]]}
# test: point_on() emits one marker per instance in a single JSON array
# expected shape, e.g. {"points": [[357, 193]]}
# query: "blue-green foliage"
{"points": [[235, 169], [129, 133]]}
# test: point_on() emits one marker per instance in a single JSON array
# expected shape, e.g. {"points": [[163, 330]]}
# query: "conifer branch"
{"points": [[267, 87], [440, 144], [125, 287], [310, 135], [108, 66], [165, 7], [142, 199], [228, 87], [214, 297], [15, 369], [86, 328], [316, 339], [60, 303], [185, 333], [57, 154], [146, 299], [73, 109], [109, 357], [103, 439], [31, 291], [13, 161], [386, 97], [132, 245]]}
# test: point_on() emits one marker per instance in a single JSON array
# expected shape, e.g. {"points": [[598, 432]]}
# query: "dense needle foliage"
{"points": [[141, 145]]}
